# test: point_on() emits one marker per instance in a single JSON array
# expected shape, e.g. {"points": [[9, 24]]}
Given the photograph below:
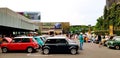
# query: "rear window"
{"points": [[61, 41], [16, 40], [51, 41], [25, 39], [56, 41], [41, 38]]}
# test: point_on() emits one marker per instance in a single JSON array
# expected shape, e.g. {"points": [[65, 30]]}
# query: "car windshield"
{"points": [[116, 38], [71, 41]]}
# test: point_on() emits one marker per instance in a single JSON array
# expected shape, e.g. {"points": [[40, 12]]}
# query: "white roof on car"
{"points": [[40, 36], [56, 37], [24, 37]]}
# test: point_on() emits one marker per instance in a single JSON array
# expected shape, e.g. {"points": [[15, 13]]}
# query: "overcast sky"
{"points": [[77, 12]]}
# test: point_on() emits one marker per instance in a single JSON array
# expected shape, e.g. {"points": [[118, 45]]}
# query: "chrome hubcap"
{"points": [[30, 50], [4, 50], [73, 51], [46, 51], [117, 47]]}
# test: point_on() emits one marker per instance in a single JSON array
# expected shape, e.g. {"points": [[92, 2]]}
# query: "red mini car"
{"points": [[19, 43]]}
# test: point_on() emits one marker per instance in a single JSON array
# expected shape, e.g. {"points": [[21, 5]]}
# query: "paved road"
{"points": [[91, 50]]}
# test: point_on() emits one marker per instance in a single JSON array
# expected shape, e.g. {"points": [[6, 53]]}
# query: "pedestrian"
{"points": [[0, 41], [99, 40], [67, 35], [81, 39]]}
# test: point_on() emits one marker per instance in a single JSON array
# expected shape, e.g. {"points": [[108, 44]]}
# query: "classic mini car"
{"points": [[115, 42], [39, 40], [59, 44], [19, 43]]}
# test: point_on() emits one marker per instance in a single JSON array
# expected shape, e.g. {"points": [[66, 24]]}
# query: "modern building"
{"points": [[55, 27], [110, 2], [14, 23]]}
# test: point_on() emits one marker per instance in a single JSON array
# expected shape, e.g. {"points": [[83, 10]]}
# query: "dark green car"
{"points": [[115, 43]]}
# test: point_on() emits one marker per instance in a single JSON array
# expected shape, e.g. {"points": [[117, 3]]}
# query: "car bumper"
{"points": [[111, 46]]}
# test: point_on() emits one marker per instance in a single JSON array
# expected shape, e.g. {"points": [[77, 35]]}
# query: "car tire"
{"points": [[4, 50], [29, 49], [117, 47], [46, 51], [73, 51]]}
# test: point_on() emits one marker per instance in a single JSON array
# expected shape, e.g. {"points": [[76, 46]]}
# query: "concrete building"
{"points": [[110, 2], [14, 23]]}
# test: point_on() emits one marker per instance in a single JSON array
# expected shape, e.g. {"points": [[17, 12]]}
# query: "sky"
{"points": [[77, 12]]}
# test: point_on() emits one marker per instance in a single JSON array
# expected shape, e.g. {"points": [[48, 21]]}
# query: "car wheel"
{"points": [[117, 47], [30, 50], [4, 50], [73, 51], [46, 51]]}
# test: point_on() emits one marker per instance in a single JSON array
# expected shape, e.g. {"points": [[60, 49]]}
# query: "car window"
{"points": [[61, 41], [16, 40], [50, 41], [25, 39], [35, 38], [71, 41], [41, 38], [44, 38], [118, 39]]}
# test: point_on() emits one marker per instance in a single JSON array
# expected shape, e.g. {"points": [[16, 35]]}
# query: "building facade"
{"points": [[56, 27], [12, 22]]}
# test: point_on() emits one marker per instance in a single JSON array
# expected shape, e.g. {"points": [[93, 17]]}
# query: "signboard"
{"points": [[57, 26]]}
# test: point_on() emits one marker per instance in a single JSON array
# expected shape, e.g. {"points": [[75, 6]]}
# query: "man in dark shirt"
{"points": [[99, 40]]}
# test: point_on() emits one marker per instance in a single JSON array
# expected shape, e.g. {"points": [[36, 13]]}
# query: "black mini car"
{"points": [[60, 44]]}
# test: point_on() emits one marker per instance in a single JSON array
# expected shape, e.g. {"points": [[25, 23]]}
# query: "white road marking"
{"points": [[37, 55]]}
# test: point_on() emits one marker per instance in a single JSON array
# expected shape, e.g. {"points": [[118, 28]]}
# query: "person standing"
{"points": [[81, 39], [99, 40], [0, 41]]}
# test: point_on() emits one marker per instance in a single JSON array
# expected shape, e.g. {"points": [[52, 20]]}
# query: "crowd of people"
{"points": [[94, 38]]}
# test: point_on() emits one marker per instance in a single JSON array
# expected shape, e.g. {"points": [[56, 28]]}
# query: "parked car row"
{"points": [[112, 42], [31, 44], [24, 43]]}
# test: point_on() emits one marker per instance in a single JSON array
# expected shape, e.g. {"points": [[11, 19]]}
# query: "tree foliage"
{"points": [[111, 17]]}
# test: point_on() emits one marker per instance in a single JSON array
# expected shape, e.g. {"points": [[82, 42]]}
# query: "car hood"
{"points": [[8, 39], [73, 43]]}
